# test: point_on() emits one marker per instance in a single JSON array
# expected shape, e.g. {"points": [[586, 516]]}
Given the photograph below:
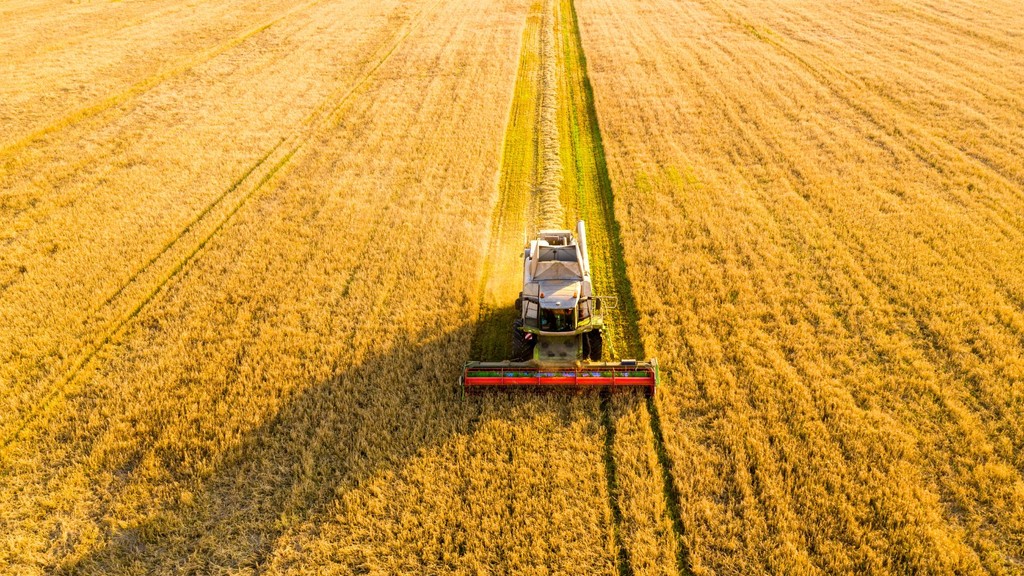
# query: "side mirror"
{"points": [[597, 303], [519, 304]]}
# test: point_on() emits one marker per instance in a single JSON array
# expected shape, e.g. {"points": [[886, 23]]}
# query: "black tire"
{"points": [[522, 342], [594, 345]]}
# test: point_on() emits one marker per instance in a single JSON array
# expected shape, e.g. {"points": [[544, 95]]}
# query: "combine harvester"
{"points": [[557, 341]]}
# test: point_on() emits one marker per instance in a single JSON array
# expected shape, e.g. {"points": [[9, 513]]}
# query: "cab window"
{"points": [[557, 320]]}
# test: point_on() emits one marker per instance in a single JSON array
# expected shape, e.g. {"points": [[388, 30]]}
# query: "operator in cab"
{"points": [[557, 320]]}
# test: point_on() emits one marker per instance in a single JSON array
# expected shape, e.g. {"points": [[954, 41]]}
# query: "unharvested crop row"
{"points": [[64, 64], [823, 265]]}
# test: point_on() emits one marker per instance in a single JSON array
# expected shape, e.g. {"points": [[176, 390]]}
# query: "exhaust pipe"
{"points": [[581, 240]]}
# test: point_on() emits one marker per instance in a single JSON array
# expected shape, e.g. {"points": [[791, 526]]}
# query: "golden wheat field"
{"points": [[246, 248]]}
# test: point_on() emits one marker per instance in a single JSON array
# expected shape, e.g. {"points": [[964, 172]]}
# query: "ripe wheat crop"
{"points": [[246, 247], [822, 220], [265, 379]]}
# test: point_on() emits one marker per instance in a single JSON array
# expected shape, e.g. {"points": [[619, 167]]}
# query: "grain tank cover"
{"points": [[558, 263]]}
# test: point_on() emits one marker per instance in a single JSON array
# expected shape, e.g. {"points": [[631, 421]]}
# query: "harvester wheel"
{"points": [[522, 342], [595, 345]]}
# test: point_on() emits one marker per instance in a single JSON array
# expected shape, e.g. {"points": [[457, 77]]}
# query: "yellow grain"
{"points": [[821, 220]]}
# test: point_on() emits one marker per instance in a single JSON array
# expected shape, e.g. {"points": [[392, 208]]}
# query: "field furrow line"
{"points": [[611, 476], [261, 173], [144, 85], [929, 148]]}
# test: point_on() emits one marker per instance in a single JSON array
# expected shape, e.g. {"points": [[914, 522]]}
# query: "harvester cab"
{"points": [[557, 338]]}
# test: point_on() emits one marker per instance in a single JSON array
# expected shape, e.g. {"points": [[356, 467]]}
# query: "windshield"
{"points": [[557, 320]]}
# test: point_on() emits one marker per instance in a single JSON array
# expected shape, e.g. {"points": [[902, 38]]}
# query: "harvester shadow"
{"points": [[323, 441], [326, 440], [492, 336]]}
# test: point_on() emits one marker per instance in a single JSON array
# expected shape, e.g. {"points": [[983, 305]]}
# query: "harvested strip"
{"points": [[549, 211], [501, 274]]}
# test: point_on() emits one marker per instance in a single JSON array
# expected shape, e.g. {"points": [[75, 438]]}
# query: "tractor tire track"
{"points": [[324, 118], [625, 564], [574, 63]]}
